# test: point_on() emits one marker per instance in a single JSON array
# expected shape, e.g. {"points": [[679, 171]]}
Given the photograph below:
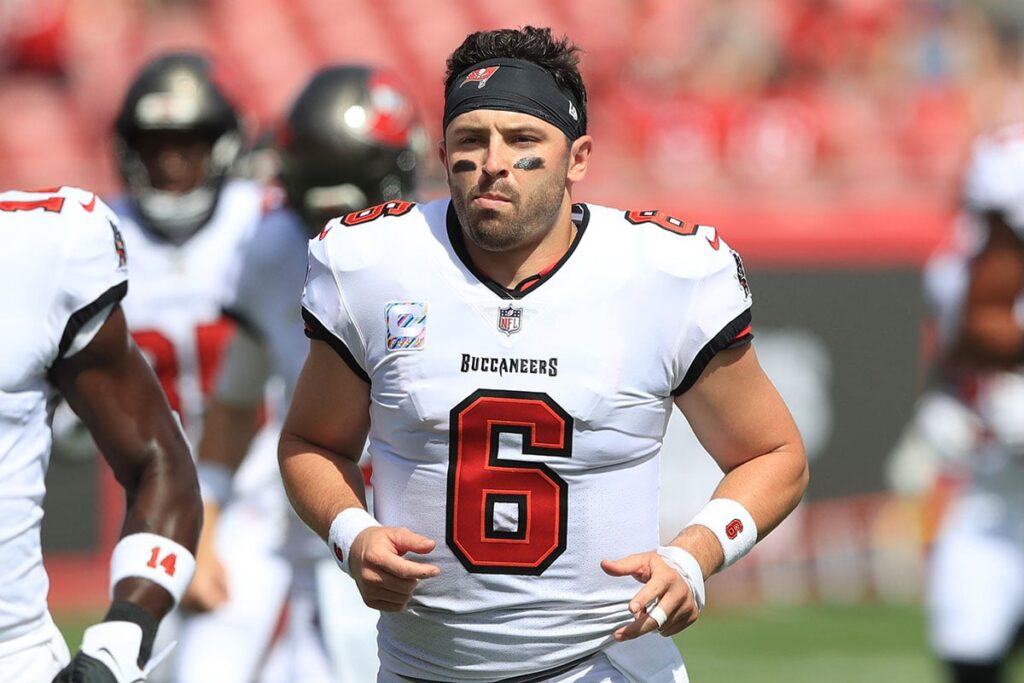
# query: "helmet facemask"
{"points": [[174, 107]]}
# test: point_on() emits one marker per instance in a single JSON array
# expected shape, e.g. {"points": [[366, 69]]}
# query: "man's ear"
{"points": [[579, 158]]}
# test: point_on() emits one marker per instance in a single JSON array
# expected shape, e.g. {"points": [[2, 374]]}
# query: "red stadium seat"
{"points": [[425, 34], [773, 141], [41, 142], [268, 54], [345, 31], [491, 15]]}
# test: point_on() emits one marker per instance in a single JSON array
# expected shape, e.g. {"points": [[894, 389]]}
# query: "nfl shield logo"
{"points": [[510, 319]]}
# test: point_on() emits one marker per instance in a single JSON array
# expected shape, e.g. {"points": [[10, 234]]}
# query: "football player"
{"points": [[186, 221], [350, 140], [976, 587], [514, 357], [64, 268]]}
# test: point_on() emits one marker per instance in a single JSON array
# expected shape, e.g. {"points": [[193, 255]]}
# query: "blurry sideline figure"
{"points": [[931, 459], [976, 594], [64, 268], [514, 358], [350, 140], [966, 442], [186, 223]]}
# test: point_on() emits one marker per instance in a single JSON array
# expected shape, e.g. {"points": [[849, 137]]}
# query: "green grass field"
{"points": [[814, 644], [806, 644]]}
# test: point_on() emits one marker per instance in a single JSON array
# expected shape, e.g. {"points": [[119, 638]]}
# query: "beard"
{"points": [[502, 230]]}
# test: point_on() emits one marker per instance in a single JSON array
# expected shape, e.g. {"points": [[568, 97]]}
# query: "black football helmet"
{"points": [[351, 139], [176, 92]]}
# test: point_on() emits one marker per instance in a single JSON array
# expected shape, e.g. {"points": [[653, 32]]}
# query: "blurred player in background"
{"points": [[931, 459], [186, 223], [514, 358], [64, 269], [976, 589], [351, 139]]}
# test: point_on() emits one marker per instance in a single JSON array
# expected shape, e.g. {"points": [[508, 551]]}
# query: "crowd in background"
{"points": [[804, 101]]}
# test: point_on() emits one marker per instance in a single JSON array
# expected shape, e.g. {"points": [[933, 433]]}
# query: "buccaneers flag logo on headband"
{"points": [[479, 76]]}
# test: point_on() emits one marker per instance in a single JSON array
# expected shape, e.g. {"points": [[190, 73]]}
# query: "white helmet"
{"points": [[994, 180]]}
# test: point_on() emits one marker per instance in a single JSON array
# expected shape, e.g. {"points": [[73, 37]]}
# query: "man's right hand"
{"points": [[209, 587], [385, 579]]}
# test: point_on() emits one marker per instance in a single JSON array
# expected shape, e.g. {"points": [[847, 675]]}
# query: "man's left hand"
{"points": [[662, 584]]}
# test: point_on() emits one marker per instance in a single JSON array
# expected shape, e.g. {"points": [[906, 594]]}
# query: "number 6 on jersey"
{"points": [[506, 516]]}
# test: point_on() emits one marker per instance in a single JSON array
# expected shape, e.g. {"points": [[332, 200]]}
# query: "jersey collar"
{"points": [[580, 217]]}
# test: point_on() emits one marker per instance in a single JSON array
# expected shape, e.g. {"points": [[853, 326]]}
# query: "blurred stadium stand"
{"points": [[806, 100], [824, 136]]}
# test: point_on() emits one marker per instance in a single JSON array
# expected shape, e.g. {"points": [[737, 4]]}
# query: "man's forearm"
{"points": [[231, 417], [769, 487], [320, 484], [163, 501], [228, 431]]}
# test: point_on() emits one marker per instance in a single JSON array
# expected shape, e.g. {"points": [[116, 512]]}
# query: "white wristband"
{"points": [[153, 557], [215, 481], [731, 524], [687, 567], [346, 526]]}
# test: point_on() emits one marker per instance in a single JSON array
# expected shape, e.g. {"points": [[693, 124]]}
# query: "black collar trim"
{"points": [[580, 216]]}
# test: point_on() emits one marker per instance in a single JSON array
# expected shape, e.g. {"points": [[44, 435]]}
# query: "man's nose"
{"points": [[496, 163]]}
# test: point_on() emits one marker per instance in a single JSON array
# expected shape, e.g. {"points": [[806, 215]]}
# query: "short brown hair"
{"points": [[559, 57]]}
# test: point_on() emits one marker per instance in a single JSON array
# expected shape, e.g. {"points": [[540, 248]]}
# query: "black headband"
{"points": [[514, 85]]}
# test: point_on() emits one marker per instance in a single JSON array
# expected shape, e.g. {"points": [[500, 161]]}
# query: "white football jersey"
{"points": [[265, 302], [946, 276], [62, 267], [174, 309], [991, 401], [519, 429]]}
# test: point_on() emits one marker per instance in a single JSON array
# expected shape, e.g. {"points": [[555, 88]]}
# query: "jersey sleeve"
{"points": [[244, 372], [243, 201], [271, 271], [250, 287], [95, 275], [719, 317], [324, 312], [241, 302]]}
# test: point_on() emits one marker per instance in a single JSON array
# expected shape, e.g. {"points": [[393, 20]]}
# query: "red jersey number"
{"points": [[211, 339], [168, 563], [662, 220], [51, 204], [507, 516], [392, 208]]}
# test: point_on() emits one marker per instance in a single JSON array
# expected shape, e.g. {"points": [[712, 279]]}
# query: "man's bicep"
{"points": [[331, 404], [735, 410], [113, 390], [93, 378]]}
